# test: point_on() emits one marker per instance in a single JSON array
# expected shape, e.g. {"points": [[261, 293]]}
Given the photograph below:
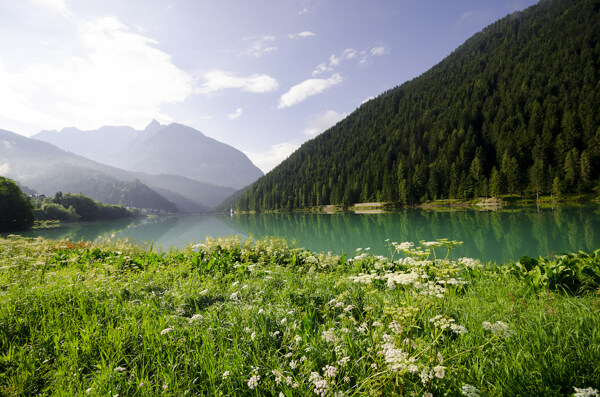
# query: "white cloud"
{"points": [[367, 100], [379, 51], [321, 68], [349, 53], [217, 80], [259, 46], [55, 6], [272, 157], [118, 77], [307, 88], [238, 112], [300, 35], [4, 168], [323, 122]]}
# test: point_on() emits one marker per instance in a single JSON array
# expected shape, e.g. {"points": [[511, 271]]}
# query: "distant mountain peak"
{"points": [[153, 126]]}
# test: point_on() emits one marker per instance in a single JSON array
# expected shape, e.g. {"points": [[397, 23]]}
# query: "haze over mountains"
{"points": [[160, 149], [162, 167]]}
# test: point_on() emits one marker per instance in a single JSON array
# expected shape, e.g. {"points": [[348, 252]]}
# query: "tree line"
{"points": [[18, 211], [514, 110]]}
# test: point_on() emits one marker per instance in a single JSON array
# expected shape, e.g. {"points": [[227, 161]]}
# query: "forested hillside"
{"points": [[515, 109]]}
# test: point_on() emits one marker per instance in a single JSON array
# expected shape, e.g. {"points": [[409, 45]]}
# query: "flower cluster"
{"points": [[589, 392], [469, 391], [444, 323], [499, 328]]}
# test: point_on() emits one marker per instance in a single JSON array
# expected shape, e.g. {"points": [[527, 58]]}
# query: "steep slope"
{"points": [[174, 149], [514, 109], [180, 150]]}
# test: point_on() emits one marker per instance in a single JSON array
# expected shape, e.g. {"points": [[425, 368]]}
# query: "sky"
{"points": [[263, 76]]}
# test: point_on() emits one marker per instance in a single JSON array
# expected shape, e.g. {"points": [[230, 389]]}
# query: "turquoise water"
{"points": [[499, 236]]}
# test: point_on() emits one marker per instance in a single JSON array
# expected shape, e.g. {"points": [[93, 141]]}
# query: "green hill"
{"points": [[512, 110]]}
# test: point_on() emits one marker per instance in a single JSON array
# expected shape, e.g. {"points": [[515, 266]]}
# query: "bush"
{"points": [[16, 210], [574, 273], [52, 211]]}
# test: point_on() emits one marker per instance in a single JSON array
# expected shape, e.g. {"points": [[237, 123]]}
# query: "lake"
{"points": [[500, 235]]}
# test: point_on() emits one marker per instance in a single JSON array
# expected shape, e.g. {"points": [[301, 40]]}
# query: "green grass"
{"points": [[114, 318]]}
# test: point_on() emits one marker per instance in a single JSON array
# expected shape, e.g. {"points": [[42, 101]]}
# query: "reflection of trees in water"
{"points": [[86, 231], [500, 236]]}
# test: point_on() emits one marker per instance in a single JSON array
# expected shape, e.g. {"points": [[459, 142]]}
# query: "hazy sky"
{"points": [[262, 76]]}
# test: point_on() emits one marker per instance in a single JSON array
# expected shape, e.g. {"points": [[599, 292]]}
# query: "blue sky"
{"points": [[262, 76]]}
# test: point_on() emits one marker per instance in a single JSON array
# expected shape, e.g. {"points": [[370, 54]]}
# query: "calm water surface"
{"points": [[499, 236]]}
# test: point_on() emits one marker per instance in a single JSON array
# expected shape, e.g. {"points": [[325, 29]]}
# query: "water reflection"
{"points": [[500, 236], [495, 236]]}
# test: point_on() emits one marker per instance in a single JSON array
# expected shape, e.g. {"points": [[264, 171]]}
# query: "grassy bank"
{"points": [[231, 317]]}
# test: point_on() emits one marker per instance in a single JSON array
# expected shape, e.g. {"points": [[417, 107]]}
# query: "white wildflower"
{"points": [[396, 359], [404, 246], [278, 376], [589, 392], [470, 391], [330, 371], [343, 361], [426, 375], [439, 371], [441, 322], [225, 375], [329, 336], [395, 327], [196, 317], [253, 382], [458, 329], [166, 331], [499, 328]]}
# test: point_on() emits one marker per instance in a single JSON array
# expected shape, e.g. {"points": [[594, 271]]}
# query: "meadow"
{"points": [[265, 318]]}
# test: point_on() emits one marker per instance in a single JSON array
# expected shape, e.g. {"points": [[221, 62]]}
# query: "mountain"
{"points": [[512, 110], [48, 169], [160, 149]]}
